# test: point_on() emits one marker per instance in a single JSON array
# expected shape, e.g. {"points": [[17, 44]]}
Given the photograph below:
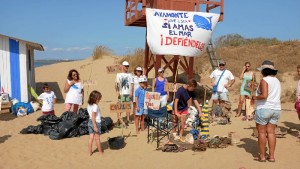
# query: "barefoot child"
{"points": [[48, 98], [139, 99], [94, 124]]}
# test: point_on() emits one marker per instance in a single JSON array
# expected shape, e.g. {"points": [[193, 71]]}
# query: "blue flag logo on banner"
{"points": [[202, 22]]}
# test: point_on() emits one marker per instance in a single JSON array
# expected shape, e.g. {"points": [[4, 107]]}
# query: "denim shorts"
{"points": [[91, 127], [220, 96], [265, 116], [141, 112]]}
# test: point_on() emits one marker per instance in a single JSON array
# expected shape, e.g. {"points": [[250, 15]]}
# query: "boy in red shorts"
{"points": [[183, 100]]}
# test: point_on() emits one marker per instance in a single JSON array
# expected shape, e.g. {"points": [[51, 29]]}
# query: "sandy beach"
{"points": [[19, 151]]}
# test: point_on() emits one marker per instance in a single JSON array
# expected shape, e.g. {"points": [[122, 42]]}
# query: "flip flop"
{"points": [[259, 160]]}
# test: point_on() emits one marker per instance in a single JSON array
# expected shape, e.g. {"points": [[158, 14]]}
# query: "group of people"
{"points": [[132, 88], [266, 97]]}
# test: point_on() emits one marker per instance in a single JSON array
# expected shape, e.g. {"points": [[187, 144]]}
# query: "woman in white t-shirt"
{"points": [[74, 89], [94, 124], [268, 107]]}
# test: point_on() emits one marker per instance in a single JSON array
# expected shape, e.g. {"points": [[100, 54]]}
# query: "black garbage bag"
{"points": [[32, 130], [65, 127], [47, 129], [83, 114], [73, 133], [83, 128], [70, 116], [54, 135], [106, 124], [50, 118]]}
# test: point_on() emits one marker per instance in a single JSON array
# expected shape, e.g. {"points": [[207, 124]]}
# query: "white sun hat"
{"points": [[143, 79], [125, 63], [139, 69]]}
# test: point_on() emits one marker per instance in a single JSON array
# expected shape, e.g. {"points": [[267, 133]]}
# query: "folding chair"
{"points": [[160, 120]]}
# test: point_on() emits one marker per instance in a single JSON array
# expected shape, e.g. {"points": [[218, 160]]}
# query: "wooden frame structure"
{"points": [[135, 15]]}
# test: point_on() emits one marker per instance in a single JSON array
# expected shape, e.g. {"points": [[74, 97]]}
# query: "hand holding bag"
{"points": [[250, 85]]}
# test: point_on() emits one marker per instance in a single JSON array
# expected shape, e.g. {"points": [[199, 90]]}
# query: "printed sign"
{"points": [[172, 87], [89, 82], [120, 107], [250, 86], [152, 100], [113, 69], [178, 32]]}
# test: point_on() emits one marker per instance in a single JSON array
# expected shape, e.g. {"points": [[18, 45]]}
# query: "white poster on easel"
{"points": [[182, 33]]}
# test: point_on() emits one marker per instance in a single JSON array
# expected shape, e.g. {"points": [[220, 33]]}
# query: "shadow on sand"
{"points": [[4, 138], [249, 145], [7, 117]]}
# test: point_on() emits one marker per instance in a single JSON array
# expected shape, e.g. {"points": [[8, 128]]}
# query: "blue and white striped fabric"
{"points": [[13, 69]]}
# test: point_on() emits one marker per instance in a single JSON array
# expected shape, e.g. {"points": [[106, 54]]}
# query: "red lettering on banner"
{"points": [[183, 42]]}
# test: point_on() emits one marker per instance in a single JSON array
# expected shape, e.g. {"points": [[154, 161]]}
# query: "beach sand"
{"points": [[19, 151]]}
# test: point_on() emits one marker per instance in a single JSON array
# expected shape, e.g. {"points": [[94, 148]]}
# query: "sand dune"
{"points": [[20, 151]]}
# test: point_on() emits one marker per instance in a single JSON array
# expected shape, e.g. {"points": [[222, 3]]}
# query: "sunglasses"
{"points": [[161, 72], [126, 66], [221, 64]]}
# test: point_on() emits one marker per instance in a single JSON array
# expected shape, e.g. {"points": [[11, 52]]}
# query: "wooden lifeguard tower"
{"points": [[135, 15]]}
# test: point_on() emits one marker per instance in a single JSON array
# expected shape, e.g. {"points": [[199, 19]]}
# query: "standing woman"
{"points": [[158, 85], [138, 72], [246, 75], [74, 90], [268, 109]]}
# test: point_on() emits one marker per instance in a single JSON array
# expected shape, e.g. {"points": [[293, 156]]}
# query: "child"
{"points": [[139, 99], [94, 124], [48, 98]]}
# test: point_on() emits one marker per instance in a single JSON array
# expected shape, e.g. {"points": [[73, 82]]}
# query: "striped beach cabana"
{"points": [[17, 67]]}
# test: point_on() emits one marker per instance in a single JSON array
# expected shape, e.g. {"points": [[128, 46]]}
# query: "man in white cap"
{"points": [[221, 80], [122, 86]]}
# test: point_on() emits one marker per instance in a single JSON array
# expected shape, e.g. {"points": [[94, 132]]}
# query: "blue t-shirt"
{"points": [[160, 87], [140, 94], [183, 96]]}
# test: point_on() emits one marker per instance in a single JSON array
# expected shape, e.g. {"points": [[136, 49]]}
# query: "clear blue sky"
{"points": [[70, 29]]}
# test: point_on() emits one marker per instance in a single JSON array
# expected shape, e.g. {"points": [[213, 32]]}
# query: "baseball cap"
{"points": [[267, 64], [142, 79], [139, 69], [160, 69], [222, 62], [125, 63]]}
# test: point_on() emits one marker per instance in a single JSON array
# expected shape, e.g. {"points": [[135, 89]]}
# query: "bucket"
{"points": [[235, 138], [116, 142]]}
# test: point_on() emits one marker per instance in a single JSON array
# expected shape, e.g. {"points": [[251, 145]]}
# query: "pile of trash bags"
{"points": [[68, 125]]}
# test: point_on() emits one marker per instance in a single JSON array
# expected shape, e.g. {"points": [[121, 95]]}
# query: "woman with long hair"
{"points": [[246, 75], [74, 91]]}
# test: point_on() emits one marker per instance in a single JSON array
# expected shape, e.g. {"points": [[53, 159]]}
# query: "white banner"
{"points": [[178, 32]]}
